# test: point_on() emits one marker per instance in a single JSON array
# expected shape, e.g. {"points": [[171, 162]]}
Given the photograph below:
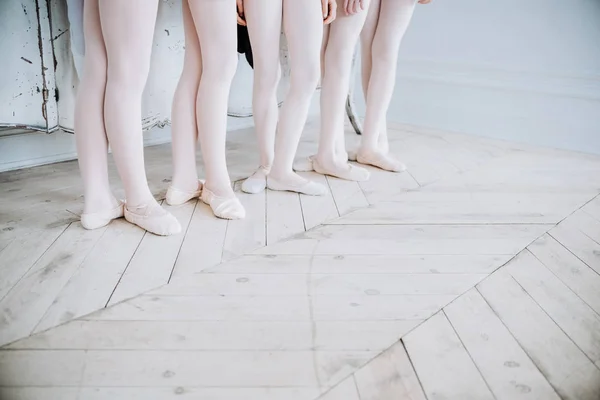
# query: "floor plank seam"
{"points": [[553, 321], [563, 282], [531, 359], [35, 262], [332, 196], [570, 251], [69, 280], [467, 350], [412, 364], [181, 245], [124, 271]]}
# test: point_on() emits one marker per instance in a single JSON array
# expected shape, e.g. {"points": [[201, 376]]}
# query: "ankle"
{"points": [[219, 189], [189, 184], [99, 202]]}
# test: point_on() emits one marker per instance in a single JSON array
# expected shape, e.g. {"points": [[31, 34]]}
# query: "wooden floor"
{"points": [[474, 275]]}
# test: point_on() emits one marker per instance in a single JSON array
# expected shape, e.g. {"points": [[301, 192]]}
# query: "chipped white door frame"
{"points": [[27, 81]]}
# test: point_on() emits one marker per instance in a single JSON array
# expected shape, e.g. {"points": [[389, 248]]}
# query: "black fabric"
{"points": [[244, 46]]}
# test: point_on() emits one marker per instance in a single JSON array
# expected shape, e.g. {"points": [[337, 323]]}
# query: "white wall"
{"points": [[512, 69]]}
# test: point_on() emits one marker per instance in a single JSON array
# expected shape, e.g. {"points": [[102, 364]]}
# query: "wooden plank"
{"points": [[41, 368], [346, 390], [507, 369], [360, 335], [29, 299], [389, 376], [406, 264], [443, 365], [284, 216], [384, 185], [369, 308], [585, 223], [392, 284], [565, 308], [208, 308], [174, 335], [593, 208], [363, 264], [236, 285], [516, 210], [348, 196], [192, 392], [203, 242], [579, 244], [248, 234], [317, 209], [215, 368], [90, 288], [36, 393], [319, 284], [22, 252], [574, 273], [219, 335], [264, 264], [153, 261], [410, 240], [564, 365]]}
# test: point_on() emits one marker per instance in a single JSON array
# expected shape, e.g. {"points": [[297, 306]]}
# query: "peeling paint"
{"points": [[41, 48]]}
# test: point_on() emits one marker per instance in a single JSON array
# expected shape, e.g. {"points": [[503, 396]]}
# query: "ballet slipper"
{"points": [[176, 197], [380, 160], [223, 207], [154, 219], [102, 218], [348, 172], [306, 186], [304, 164], [257, 182]]}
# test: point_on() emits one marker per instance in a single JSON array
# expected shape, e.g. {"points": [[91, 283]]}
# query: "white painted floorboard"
{"points": [[449, 281]]}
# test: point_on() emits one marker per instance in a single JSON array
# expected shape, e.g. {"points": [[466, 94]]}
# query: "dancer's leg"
{"points": [[264, 19], [128, 29], [303, 25], [343, 37], [184, 126], [216, 26], [366, 45], [90, 136], [394, 18]]}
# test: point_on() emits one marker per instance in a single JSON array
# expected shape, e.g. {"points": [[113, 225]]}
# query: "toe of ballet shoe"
{"points": [[381, 161], [161, 225], [223, 207], [309, 188], [253, 186], [100, 219], [349, 172]]}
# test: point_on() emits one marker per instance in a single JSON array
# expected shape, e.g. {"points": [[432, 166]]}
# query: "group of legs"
{"points": [[381, 29], [118, 43]]}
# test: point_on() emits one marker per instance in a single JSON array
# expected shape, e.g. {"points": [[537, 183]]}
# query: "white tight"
{"points": [[339, 43], [382, 34], [118, 44], [200, 102], [303, 27]]}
